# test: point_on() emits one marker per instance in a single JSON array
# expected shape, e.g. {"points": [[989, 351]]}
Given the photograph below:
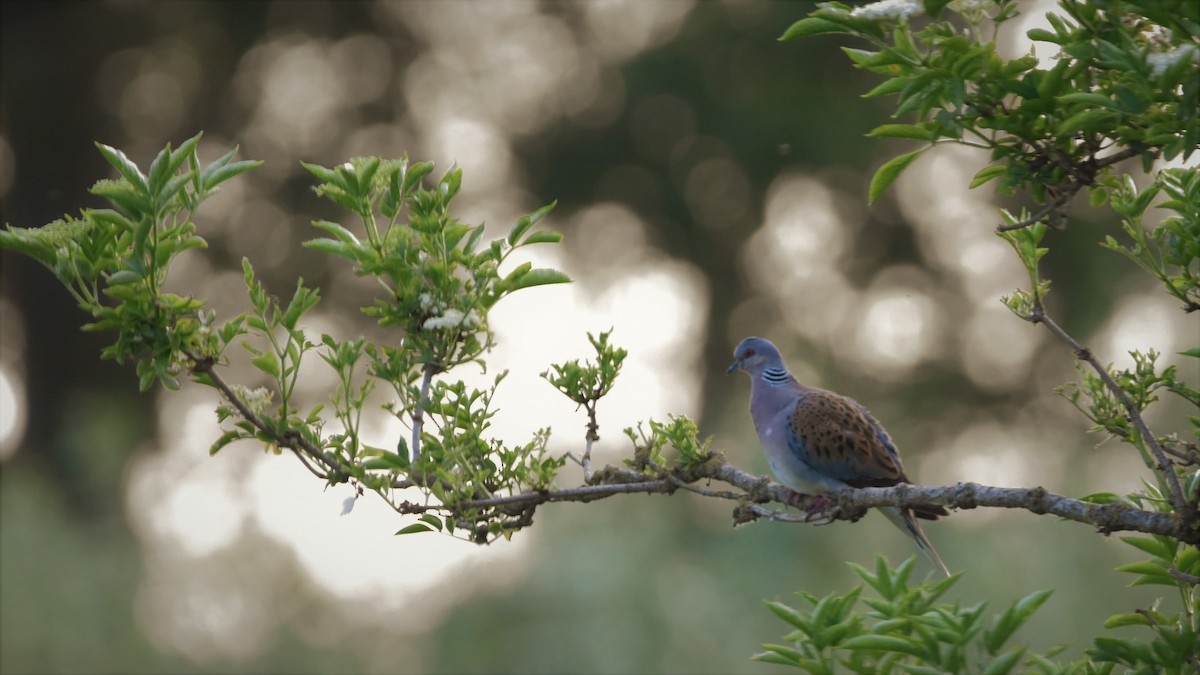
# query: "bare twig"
{"points": [[419, 412], [1165, 467]]}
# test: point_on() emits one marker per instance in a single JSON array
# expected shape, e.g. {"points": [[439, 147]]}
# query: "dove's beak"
{"points": [[733, 366]]}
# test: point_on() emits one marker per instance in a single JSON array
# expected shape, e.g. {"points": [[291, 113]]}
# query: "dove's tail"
{"points": [[908, 524]]}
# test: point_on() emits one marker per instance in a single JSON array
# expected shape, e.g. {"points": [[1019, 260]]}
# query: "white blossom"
{"points": [[453, 318], [888, 9], [256, 400], [1158, 36]]}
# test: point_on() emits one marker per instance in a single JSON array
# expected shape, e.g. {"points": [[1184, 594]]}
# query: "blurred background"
{"points": [[711, 184]]}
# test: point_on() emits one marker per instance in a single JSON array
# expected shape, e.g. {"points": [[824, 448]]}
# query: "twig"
{"points": [[1082, 353], [1054, 205], [593, 435], [1188, 455], [337, 471], [1184, 576], [419, 412], [1084, 176]]}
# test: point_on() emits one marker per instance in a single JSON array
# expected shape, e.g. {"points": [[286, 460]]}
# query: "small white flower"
{"points": [[451, 319], [1158, 36], [348, 166], [348, 504], [256, 400], [888, 9], [426, 301]]}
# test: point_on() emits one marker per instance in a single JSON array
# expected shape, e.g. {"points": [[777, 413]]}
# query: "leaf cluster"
{"points": [[904, 629], [114, 261], [1125, 83]]}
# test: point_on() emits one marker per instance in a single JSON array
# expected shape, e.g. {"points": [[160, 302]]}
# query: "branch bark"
{"points": [[756, 491]]}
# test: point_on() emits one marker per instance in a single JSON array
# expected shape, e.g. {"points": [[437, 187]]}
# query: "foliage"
{"points": [[905, 630], [438, 279], [1124, 84], [123, 254]]}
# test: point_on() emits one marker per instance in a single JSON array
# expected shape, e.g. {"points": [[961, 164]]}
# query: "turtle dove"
{"points": [[817, 441]]}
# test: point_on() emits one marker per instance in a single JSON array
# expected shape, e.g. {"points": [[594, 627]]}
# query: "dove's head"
{"points": [[755, 354]]}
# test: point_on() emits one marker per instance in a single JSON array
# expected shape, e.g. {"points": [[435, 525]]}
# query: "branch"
{"points": [[335, 470], [419, 413], [850, 504], [1164, 466], [1054, 205], [1082, 178]]}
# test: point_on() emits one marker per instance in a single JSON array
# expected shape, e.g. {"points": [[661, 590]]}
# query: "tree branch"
{"points": [[336, 471], [850, 504], [1082, 178], [1165, 467], [419, 413]]}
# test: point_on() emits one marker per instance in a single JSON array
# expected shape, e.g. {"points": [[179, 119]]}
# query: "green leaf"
{"points": [[414, 528], [543, 237], [1012, 619], [183, 153], [124, 277], [1042, 35], [1003, 664], [1152, 546], [225, 439], [915, 131], [791, 616], [211, 179], [1119, 620], [988, 173], [414, 174], [1088, 98], [268, 363], [1087, 121], [885, 643], [889, 172], [523, 224], [892, 86], [539, 277], [324, 174], [128, 170], [811, 26]]}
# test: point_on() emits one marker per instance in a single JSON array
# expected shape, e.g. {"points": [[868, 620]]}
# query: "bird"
{"points": [[817, 441]]}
